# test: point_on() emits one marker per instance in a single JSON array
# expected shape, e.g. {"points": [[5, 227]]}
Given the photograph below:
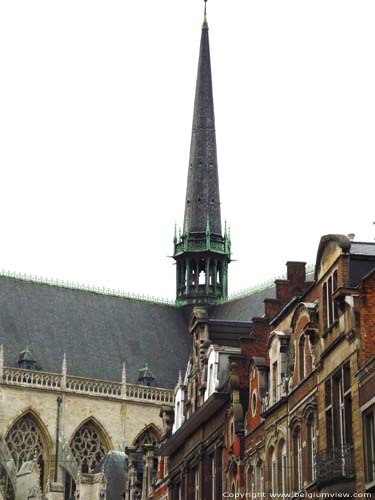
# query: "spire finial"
{"points": [[205, 12]]}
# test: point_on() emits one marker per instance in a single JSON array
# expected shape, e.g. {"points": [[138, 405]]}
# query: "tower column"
{"points": [[207, 283], [197, 277], [225, 280], [178, 277], [215, 276], [187, 276]]}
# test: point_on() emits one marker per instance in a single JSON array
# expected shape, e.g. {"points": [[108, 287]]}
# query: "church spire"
{"points": [[202, 193], [201, 252]]}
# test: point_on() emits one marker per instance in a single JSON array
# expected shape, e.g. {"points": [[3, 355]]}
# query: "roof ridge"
{"points": [[135, 296], [86, 288], [246, 292]]}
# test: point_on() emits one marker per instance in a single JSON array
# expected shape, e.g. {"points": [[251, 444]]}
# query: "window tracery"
{"points": [[25, 442], [88, 447], [148, 437]]}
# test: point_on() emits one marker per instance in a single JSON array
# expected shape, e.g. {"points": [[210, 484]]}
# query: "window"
{"points": [[178, 414], [311, 447], [231, 433], [272, 468], [261, 479], [302, 357], [330, 309], [369, 443], [338, 413], [196, 484], [254, 403], [342, 407], [251, 482], [274, 382], [283, 468], [210, 379], [25, 443], [213, 479], [297, 459], [87, 447]]}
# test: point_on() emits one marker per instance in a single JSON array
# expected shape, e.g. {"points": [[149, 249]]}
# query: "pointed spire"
{"points": [[202, 193], [64, 368], [1, 362], [123, 381], [179, 378], [123, 376], [205, 13], [64, 371]]}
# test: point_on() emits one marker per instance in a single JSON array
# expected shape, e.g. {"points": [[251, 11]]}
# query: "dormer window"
{"points": [[212, 373], [330, 309], [26, 360]]}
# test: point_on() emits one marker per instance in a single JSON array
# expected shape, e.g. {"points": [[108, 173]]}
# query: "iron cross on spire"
{"points": [[205, 9]]}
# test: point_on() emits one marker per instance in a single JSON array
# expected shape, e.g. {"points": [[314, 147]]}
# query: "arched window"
{"points": [[260, 478], [251, 487], [302, 357], [272, 470], [88, 447], [311, 447], [150, 435], [144, 444], [282, 477], [25, 443], [297, 459]]}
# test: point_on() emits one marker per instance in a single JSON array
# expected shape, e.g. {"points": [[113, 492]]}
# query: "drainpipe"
{"points": [[59, 401]]}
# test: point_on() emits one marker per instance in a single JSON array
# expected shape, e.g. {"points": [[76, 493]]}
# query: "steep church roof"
{"points": [[202, 194], [97, 332]]}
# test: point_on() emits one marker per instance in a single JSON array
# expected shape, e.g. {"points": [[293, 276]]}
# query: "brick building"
{"points": [[278, 395]]}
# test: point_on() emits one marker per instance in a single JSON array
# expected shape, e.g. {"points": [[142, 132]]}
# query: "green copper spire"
{"points": [[202, 253]]}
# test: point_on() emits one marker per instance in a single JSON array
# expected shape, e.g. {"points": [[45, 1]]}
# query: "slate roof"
{"points": [[114, 470], [99, 332], [359, 248], [244, 308]]}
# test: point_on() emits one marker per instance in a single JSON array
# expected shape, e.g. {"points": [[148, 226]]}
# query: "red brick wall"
{"points": [[367, 319], [254, 421]]}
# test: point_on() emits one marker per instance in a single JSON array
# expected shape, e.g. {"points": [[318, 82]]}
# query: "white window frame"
{"points": [[299, 460], [273, 471], [283, 468], [196, 483]]}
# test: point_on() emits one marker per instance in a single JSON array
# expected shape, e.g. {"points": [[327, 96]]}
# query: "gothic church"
{"points": [[83, 372]]}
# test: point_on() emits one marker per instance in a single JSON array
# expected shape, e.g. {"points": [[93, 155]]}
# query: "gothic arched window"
{"points": [[25, 443], [88, 447], [149, 436]]}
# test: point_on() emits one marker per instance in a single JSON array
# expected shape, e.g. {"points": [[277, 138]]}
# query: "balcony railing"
{"points": [[335, 464], [101, 388]]}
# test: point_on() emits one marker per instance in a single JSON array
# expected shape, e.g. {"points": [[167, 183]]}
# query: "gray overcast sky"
{"points": [[96, 102]]}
